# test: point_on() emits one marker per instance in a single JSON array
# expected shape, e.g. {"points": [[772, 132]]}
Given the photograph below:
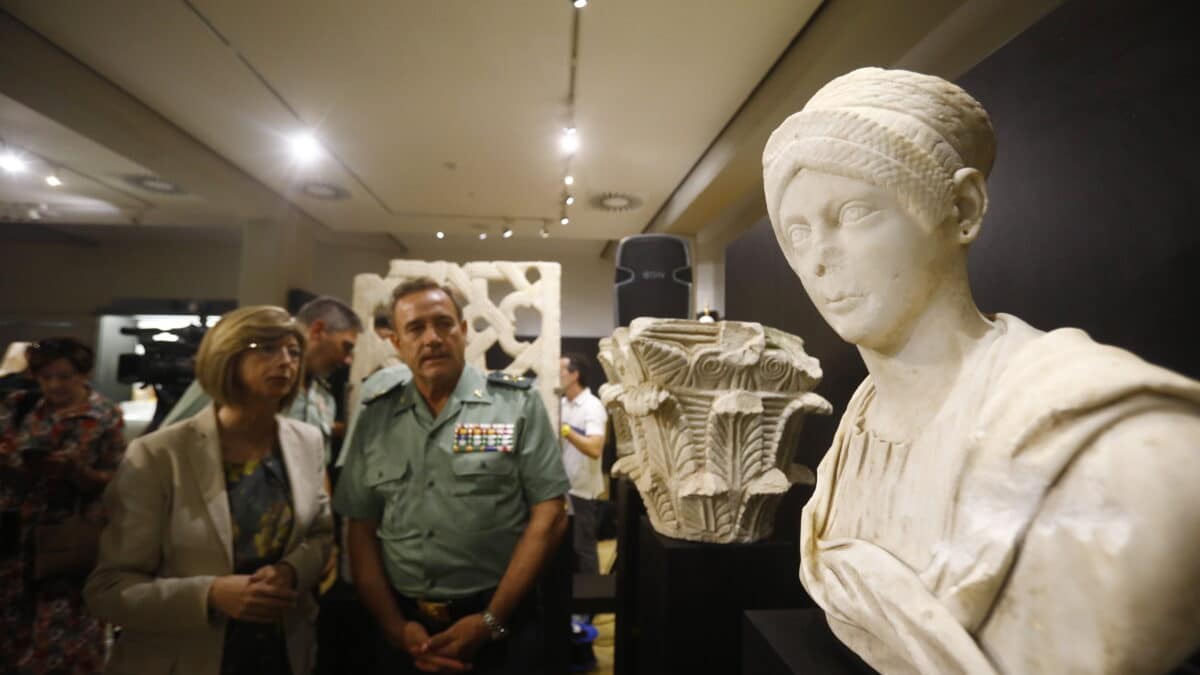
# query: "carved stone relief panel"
{"points": [[534, 286]]}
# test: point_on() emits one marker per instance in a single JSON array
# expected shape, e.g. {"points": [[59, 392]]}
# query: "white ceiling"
{"points": [[437, 114]]}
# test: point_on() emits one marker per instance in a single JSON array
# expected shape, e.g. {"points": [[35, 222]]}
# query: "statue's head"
{"points": [[874, 190]]}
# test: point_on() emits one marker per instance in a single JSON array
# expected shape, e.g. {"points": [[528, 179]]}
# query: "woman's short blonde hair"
{"points": [[225, 343]]}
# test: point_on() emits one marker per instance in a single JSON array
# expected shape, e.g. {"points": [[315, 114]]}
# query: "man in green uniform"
{"points": [[454, 488]]}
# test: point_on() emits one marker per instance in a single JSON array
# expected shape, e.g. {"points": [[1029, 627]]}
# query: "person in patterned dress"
{"points": [[59, 446]]}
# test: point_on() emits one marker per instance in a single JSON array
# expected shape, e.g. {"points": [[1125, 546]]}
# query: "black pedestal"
{"points": [[795, 642], [691, 598]]}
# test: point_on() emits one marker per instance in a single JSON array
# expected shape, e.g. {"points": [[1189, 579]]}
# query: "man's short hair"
{"points": [[44, 352], [426, 284], [335, 314], [225, 343], [580, 365]]}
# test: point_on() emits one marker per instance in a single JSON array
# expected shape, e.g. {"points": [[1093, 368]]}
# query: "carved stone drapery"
{"points": [[706, 417]]}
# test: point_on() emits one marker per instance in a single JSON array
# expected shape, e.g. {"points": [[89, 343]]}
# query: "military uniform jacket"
{"points": [[451, 495]]}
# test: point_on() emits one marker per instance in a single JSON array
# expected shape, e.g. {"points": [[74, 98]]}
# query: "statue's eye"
{"points": [[798, 234], [853, 212]]}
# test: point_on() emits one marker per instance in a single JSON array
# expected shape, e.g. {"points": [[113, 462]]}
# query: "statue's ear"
{"points": [[970, 203]]}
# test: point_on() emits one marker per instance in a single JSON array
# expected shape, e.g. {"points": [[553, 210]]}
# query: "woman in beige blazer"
{"points": [[220, 524]]}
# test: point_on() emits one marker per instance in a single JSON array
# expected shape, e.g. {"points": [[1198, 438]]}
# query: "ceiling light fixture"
{"points": [[153, 184], [544, 232], [507, 233], [570, 200], [569, 141], [326, 191], [53, 181], [482, 236], [305, 148], [441, 235], [12, 163], [580, 4], [565, 221], [569, 180]]}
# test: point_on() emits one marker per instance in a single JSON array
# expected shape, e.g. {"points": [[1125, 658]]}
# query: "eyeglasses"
{"points": [[272, 351]]}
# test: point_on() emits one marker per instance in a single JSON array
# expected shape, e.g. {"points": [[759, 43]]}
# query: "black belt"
{"points": [[437, 615]]}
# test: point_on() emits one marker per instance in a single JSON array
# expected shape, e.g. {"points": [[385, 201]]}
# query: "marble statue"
{"points": [[490, 321], [996, 499], [706, 417]]}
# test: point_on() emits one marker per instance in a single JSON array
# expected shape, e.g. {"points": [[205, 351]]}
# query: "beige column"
{"points": [[276, 256]]}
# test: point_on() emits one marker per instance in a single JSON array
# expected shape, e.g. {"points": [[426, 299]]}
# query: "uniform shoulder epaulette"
{"points": [[384, 381], [505, 380]]}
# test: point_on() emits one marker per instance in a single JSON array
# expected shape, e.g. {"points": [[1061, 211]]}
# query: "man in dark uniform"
{"points": [[454, 488]]}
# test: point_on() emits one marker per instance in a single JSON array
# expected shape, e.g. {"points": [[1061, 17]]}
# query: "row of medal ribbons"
{"points": [[497, 437]]}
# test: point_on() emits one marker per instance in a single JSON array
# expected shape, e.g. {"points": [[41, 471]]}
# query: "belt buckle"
{"points": [[438, 612]]}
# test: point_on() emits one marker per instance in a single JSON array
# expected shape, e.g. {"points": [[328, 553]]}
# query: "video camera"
{"points": [[168, 364]]}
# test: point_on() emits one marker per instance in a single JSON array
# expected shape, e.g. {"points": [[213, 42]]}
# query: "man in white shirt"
{"points": [[583, 424]]}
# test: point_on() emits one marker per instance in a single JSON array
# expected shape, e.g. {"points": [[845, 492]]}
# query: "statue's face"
{"points": [[868, 266]]}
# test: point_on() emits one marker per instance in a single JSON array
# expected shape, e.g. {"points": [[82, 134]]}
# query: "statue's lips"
{"points": [[843, 302]]}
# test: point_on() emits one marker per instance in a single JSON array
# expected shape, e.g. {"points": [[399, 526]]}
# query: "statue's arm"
{"points": [[1108, 578]]}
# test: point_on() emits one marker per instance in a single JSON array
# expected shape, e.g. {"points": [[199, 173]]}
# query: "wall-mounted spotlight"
{"points": [[440, 235], [53, 180], [569, 141]]}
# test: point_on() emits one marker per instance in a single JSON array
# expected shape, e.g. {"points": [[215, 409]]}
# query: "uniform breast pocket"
{"points": [[389, 482], [485, 473]]}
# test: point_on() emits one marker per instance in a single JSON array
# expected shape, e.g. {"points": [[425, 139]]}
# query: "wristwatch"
{"points": [[499, 632]]}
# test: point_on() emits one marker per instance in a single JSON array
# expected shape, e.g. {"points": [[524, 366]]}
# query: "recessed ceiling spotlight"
{"points": [[441, 235], [304, 148], [12, 163], [326, 191], [565, 220], [154, 184], [507, 233], [569, 180], [569, 141], [482, 236], [53, 181], [570, 200], [580, 4]]}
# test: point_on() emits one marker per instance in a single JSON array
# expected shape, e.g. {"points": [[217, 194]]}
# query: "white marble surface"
{"points": [[997, 499], [706, 416]]}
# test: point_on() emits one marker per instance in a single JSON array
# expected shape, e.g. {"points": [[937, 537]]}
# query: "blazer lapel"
{"points": [[209, 473], [301, 476]]}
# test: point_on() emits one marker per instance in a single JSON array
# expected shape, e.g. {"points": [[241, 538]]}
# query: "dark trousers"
{"points": [[587, 524], [345, 632], [520, 653]]}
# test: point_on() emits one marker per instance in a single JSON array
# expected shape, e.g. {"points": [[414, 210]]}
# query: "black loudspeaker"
{"points": [[654, 278]]}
